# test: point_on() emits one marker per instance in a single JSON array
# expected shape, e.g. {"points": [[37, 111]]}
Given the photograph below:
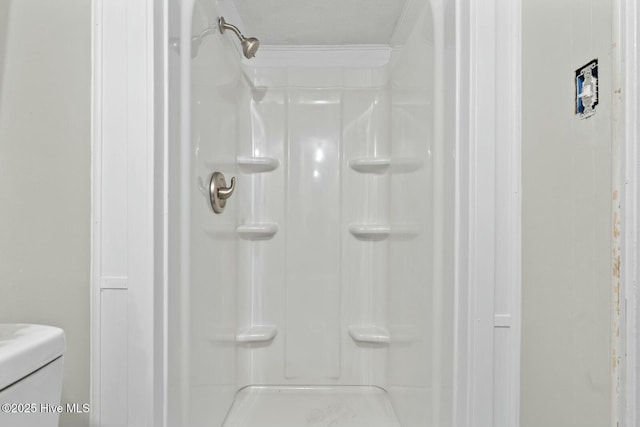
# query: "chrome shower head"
{"points": [[249, 44]]}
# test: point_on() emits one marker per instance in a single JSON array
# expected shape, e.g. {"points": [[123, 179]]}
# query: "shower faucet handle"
{"points": [[225, 192], [219, 192]]}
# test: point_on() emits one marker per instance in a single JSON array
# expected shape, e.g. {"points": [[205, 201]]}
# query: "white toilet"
{"points": [[30, 375]]}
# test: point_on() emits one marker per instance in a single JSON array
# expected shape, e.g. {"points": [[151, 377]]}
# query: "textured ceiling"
{"points": [[320, 22]]}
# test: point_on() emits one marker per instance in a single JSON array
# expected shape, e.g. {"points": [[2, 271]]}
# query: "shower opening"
{"points": [[322, 293]]}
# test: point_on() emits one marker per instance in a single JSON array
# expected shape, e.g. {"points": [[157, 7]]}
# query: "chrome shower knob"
{"points": [[219, 192]]}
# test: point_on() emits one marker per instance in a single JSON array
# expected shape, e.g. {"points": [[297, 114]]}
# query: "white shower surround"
{"points": [[128, 298], [326, 130], [125, 306]]}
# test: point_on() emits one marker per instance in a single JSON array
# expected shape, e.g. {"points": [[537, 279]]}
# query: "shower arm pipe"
{"points": [[224, 25]]}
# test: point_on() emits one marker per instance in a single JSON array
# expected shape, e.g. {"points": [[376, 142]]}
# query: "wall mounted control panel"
{"points": [[587, 89]]}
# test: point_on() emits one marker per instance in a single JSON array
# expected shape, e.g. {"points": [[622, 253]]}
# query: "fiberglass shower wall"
{"points": [[324, 292]]}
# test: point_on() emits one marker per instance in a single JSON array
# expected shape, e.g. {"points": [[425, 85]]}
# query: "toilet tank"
{"points": [[31, 366]]}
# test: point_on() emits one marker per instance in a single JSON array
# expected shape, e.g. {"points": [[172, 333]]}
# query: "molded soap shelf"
{"points": [[370, 231], [257, 231], [380, 165], [370, 164], [369, 334], [258, 164], [377, 232], [257, 333]]}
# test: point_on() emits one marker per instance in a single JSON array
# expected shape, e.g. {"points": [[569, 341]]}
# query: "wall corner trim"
{"points": [[488, 208], [624, 404], [124, 119]]}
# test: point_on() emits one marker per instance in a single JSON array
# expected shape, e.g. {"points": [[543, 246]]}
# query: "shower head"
{"points": [[249, 44]]}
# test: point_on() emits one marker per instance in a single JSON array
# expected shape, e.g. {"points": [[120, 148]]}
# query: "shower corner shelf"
{"points": [[369, 334], [262, 231], [257, 333], [257, 164], [376, 165], [370, 231]]}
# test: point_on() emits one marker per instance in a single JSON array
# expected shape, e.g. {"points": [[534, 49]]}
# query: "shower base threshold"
{"points": [[311, 406]]}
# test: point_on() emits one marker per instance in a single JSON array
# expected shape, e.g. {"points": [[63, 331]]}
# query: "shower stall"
{"points": [[321, 292], [315, 197]]}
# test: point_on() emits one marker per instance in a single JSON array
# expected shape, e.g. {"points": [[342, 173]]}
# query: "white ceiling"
{"points": [[319, 22]]}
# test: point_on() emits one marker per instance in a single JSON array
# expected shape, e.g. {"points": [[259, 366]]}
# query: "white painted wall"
{"points": [[566, 223], [44, 176], [4, 26]]}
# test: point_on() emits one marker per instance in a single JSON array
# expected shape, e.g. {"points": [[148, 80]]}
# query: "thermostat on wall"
{"points": [[587, 89]]}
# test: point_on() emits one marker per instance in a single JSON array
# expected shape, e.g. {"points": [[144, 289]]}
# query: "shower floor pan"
{"points": [[311, 406]]}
